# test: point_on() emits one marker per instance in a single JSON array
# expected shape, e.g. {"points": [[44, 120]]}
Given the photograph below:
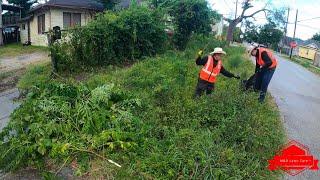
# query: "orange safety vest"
{"points": [[208, 73], [260, 60]]}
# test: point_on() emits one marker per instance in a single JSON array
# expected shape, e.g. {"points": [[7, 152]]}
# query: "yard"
{"points": [[13, 50]]}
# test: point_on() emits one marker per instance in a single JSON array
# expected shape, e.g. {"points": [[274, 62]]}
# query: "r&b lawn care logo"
{"points": [[293, 159]]}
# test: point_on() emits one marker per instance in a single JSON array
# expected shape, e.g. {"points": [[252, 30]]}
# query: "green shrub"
{"points": [[114, 38]]}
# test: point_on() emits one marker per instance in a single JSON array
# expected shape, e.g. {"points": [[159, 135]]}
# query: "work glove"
{"points": [[200, 53]]}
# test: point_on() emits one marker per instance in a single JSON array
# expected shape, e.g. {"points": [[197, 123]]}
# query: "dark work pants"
{"points": [[262, 82], [204, 86]]}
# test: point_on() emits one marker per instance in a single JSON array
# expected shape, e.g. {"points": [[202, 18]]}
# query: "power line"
{"points": [[314, 28], [309, 19]]}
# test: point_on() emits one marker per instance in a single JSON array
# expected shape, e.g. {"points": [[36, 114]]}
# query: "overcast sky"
{"points": [[307, 9]]}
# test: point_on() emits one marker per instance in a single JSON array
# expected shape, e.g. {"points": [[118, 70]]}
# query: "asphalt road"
{"points": [[297, 93]]}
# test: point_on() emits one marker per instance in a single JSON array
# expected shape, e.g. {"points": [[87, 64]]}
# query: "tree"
{"points": [[316, 37], [278, 17], [270, 35], [251, 32], [1, 38], [26, 4], [109, 4], [159, 3], [190, 16], [233, 23], [236, 34]]}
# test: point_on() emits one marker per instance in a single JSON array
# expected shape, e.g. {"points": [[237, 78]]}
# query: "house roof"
{"points": [[312, 44], [79, 4]]}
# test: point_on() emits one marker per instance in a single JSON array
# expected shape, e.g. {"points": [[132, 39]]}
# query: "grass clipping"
{"points": [[146, 119]]}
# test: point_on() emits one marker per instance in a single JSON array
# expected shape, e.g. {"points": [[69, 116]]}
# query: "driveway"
{"points": [[18, 62], [297, 93]]}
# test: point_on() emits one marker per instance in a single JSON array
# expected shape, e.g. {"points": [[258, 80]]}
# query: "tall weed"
{"points": [[145, 118]]}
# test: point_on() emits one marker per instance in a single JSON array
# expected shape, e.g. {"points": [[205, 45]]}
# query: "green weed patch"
{"points": [[148, 122]]}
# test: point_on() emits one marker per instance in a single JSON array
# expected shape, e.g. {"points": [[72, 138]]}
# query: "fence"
{"points": [[316, 61]]}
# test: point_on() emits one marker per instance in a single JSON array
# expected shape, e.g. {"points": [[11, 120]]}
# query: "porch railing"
{"points": [[10, 20]]}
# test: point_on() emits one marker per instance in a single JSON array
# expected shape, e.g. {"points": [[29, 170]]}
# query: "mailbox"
{"points": [[56, 33]]}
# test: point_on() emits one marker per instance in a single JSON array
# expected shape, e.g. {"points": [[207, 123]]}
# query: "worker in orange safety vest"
{"points": [[212, 67], [266, 65]]}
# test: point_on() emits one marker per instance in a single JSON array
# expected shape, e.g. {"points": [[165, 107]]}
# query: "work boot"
{"points": [[262, 97]]}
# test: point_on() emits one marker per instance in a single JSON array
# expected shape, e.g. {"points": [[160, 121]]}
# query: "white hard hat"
{"points": [[218, 50]]}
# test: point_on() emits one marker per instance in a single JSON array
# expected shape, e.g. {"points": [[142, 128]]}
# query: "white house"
{"points": [[62, 13]]}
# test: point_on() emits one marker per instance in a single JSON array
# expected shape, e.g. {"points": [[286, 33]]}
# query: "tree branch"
{"points": [[246, 6], [227, 19], [251, 15]]}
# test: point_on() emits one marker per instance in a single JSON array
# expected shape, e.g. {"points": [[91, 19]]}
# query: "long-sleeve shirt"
{"points": [[266, 59], [203, 61]]}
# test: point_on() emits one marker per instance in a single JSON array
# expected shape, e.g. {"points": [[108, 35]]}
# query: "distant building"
{"points": [[218, 28], [309, 49], [9, 27], [285, 47]]}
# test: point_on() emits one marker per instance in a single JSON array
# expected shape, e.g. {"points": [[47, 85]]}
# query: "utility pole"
{"points": [[1, 38], [286, 30], [235, 16], [294, 33], [284, 39]]}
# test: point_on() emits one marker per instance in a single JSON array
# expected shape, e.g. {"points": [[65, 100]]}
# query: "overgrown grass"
{"points": [[225, 135], [17, 49], [4, 75], [35, 74]]}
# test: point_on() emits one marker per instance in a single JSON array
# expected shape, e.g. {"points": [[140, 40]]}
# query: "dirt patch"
{"points": [[13, 63]]}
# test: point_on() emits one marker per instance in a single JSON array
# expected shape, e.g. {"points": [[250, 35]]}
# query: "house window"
{"points": [[41, 24], [77, 19], [23, 27], [71, 19]]}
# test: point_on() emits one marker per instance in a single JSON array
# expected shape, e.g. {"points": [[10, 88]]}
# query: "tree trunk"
{"points": [[232, 26], [1, 38]]}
